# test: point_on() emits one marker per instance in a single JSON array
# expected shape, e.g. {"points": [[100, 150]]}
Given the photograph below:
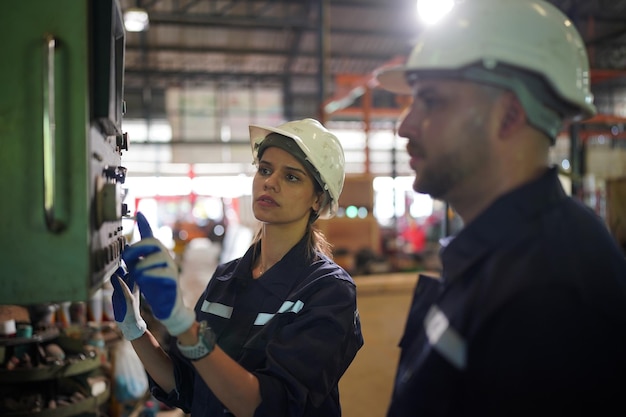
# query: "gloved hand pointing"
{"points": [[156, 273], [126, 305]]}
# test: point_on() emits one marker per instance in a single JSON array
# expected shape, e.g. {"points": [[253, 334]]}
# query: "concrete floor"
{"points": [[383, 302]]}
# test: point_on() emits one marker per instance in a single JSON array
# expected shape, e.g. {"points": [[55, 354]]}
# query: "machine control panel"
{"points": [[62, 112]]}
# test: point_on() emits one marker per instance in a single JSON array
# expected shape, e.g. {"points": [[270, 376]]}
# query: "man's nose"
{"points": [[410, 121]]}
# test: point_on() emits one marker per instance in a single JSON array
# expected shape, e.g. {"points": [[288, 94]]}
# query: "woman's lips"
{"points": [[265, 200]]}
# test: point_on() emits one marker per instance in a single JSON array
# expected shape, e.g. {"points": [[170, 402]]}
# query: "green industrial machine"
{"points": [[61, 140]]}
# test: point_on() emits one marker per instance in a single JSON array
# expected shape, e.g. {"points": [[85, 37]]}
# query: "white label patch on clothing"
{"points": [[217, 309], [287, 307], [445, 339]]}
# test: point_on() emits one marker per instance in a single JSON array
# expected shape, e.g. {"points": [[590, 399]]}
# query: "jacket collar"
{"points": [[282, 276], [505, 218]]}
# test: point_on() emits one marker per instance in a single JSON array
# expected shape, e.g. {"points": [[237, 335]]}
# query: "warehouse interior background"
{"points": [[202, 71], [194, 78]]}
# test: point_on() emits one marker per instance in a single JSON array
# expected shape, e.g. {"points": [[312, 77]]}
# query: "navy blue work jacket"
{"points": [[528, 318], [296, 328]]}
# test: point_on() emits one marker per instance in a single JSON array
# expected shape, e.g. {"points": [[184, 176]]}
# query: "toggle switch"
{"points": [[117, 173]]}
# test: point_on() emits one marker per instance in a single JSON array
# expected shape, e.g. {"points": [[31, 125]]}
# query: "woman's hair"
{"points": [[315, 242]]}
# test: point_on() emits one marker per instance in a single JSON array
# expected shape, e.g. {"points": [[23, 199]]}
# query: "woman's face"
{"points": [[283, 191]]}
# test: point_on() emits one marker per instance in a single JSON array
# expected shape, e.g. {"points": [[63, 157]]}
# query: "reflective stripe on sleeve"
{"points": [[217, 309]]}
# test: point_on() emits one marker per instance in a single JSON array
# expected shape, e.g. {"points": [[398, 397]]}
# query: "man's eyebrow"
{"points": [[426, 90]]}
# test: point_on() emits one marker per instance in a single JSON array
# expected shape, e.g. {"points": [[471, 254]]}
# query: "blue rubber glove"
{"points": [[156, 273], [126, 305]]}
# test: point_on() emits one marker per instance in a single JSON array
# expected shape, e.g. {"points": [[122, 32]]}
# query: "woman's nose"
{"points": [[271, 182]]}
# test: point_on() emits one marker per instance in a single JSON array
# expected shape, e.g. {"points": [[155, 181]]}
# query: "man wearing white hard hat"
{"points": [[529, 314], [274, 330]]}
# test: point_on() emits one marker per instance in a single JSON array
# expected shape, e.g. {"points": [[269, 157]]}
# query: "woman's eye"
{"points": [[292, 178], [264, 171]]}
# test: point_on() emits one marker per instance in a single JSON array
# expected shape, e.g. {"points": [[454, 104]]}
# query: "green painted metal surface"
{"points": [[49, 261]]}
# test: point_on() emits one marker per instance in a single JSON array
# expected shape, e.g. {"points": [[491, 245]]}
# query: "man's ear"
{"points": [[514, 115]]}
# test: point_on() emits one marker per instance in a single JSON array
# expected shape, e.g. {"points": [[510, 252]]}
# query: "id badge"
{"points": [[444, 338]]}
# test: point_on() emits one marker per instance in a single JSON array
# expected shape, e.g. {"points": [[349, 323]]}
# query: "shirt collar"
{"points": [[282, 276], [502, 219]]}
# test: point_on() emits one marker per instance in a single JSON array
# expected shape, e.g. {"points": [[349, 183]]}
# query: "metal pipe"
{"points": [[323, 44]]}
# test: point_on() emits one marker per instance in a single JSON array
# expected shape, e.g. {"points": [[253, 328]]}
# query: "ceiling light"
{"points": [[430, 11], [136, 20]]}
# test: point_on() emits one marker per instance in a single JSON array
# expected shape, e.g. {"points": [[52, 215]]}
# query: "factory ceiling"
{"points": [[308, 48]]}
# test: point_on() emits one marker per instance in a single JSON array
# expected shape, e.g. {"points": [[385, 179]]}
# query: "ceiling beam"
{"points": [[182, 49], [265, 23]]}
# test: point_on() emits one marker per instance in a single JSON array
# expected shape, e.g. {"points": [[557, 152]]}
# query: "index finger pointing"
{"points": [[144, 227]]}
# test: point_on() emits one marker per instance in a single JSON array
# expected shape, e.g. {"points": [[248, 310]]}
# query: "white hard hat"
{"points": [[528, 35], [321, 149]]}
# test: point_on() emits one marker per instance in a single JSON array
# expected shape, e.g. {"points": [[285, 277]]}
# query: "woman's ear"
{"points": [[318, 202]]}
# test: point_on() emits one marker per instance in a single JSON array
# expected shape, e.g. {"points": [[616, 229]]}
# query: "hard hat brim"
{"points": [[394, 80], [259, 132]]}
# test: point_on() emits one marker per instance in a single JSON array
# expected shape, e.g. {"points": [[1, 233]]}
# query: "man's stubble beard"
{"points": [[443, 174]]}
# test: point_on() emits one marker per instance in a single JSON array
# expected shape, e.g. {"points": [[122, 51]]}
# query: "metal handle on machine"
{"points": [[49, 136]]}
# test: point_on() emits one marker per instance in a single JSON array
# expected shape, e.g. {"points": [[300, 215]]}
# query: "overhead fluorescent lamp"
{"points": [[431, 11], [136, 20]]}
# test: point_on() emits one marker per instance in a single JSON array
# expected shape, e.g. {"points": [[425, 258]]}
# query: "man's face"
{"points": [[448, 127]]}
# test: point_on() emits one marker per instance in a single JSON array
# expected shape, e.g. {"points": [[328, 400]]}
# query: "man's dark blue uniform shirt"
{"points": [[528, 318]]}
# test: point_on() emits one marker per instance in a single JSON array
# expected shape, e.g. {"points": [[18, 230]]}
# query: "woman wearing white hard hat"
{"points": [[274, 330]]}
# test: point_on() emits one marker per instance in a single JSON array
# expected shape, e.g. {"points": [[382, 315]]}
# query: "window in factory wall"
{"points": [[395, 198], [155, 150], [148, 194], [386, 153], [147, 151], [158, 130], [194, 207], [392, 197]]}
